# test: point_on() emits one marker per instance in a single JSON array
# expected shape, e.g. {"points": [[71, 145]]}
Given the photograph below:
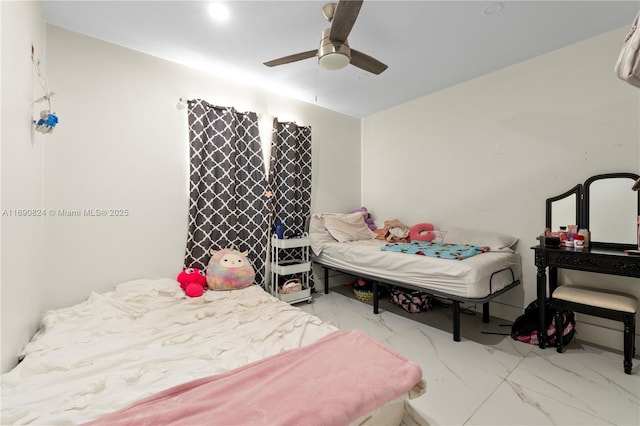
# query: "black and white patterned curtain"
{"points": [[291, 163], [230, 196], [227, 205]]}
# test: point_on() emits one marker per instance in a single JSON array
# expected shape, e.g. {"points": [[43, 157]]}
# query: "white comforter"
{"points": [[145, 336]]}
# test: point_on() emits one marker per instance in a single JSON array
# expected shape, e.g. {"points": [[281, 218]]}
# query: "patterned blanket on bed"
{"points": [[444, 251]]}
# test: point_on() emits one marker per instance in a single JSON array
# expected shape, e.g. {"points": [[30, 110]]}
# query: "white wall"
{"points": [[487, 153], [121, 143], [22, 177]]}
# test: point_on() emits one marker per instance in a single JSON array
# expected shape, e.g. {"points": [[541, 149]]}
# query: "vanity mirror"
{"points": [[611, 210], [605, 205], [564, 209]]}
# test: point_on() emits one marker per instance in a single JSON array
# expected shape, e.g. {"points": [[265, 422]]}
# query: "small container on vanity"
{"points": [[586, 235], [578, 241], [551, 241]]}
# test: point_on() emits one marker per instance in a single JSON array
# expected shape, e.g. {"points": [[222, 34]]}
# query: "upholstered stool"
{"points": [[600, 303]]}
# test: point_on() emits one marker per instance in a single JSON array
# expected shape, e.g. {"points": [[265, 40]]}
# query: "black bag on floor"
{"points": [[525, 327], [412, 301]]}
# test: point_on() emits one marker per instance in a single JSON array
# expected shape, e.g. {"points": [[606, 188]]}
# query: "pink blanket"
{"points": [[333, 381]]}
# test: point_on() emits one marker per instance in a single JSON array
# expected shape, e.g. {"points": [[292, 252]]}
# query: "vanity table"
{"points": [[605, 205], [594, 259]]}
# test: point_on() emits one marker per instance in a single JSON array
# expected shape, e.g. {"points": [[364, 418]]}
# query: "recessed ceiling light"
{"points": [[493, 9], [219, 12]]}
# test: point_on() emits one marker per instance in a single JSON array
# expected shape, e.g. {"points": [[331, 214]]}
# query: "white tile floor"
{"points": [[489, 379]]}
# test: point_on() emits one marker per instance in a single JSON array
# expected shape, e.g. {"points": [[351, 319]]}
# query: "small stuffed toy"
{"points": [[367, 217], [229, 269], [193, 281], [422, 232]]}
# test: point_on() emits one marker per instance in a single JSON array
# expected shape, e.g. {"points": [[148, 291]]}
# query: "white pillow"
{"points": [[316, 223], [349, 227], [318, 233], [494, 240]]}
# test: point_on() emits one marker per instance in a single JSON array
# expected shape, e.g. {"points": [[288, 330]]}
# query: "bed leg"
{"points": [[485, 312], [375, 297], [456, 320], [326, 280]]}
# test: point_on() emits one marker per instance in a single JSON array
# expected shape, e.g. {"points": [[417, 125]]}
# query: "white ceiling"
{"points": [[428, 45]]}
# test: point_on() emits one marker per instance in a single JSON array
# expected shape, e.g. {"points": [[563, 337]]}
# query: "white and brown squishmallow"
{"points": [[229, 269]]}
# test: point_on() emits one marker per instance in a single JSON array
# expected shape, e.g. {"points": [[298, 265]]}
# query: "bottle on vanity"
{"points": [[585, 233]]}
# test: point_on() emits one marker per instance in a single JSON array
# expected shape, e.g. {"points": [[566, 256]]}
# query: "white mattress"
{"points": [[146, 336], [468, 278]]}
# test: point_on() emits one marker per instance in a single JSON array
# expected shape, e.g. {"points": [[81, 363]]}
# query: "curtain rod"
{"points": [[183, 102]]}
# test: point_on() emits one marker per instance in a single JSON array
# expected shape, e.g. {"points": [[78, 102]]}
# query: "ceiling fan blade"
{"points": [[366, 62], [344, 18], [292, 58]]}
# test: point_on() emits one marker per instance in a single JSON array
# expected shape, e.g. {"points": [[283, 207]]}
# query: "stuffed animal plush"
{"points": [[367, 218], [422, 232], [192, 281], [229, 269]]}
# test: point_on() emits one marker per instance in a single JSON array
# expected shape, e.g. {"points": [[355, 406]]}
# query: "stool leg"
{"points": [[629, 337], [559, 330], [633, 336]]}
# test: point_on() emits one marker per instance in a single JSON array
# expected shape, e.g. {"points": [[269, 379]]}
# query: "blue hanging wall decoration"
{"points": [[48, 120]]}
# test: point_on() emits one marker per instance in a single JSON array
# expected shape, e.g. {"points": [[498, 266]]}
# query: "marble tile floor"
{"points": [[490, 379]]}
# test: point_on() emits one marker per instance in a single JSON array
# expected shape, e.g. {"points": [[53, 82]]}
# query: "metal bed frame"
{"points": [[456, 300]]}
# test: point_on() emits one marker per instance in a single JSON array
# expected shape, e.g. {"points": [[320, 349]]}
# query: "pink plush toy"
{"points": [[421, 232], [193, 281]]}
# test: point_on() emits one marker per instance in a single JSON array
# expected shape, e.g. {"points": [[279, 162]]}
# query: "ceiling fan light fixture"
{"points": [[333, 55], [334, 61]]}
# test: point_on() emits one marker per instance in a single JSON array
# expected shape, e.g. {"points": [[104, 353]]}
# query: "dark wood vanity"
{"points": [[606, 205]]}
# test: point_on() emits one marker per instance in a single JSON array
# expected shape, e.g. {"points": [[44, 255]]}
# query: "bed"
{"points": [[145, 353], [342, 242]]}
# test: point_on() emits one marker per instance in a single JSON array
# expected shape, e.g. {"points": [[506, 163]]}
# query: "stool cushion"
{"points": [[596, 297]]}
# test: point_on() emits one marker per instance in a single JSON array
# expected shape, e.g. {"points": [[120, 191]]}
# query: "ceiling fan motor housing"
{"points": [[333, 54]]}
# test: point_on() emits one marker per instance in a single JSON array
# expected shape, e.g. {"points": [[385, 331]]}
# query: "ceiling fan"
{"points": [[334, 51]]}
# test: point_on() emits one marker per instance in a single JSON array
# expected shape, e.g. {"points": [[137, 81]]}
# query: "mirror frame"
{"points": [[585, 210], [582, 206], [577, 190]]}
